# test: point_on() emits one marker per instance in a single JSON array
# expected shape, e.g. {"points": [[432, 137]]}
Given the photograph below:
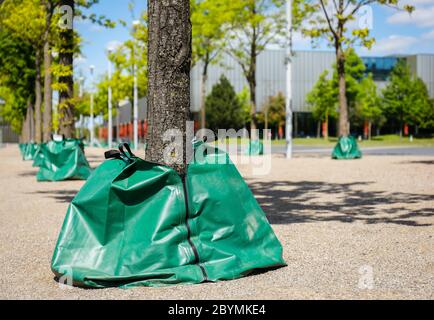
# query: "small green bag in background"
{"points": [[255, 148], [346, 148], [62, 160], [30, 151]]}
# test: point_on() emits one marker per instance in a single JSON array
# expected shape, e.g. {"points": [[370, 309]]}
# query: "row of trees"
{"points": [[405, 99], [240, 28]]}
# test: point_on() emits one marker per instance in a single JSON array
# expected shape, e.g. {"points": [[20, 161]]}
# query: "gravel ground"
{"points": [[350, 229]]}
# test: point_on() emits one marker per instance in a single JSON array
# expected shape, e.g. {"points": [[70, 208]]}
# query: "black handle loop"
{"points": [[129, 154], [112, 154]]}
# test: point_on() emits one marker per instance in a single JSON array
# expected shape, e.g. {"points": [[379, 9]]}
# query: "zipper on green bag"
{"points": [[193, 247]]}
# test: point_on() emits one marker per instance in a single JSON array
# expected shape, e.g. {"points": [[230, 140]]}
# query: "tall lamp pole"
{"points": [[81, 83], [136, 23], [92, 124], [288, 128], [110, 119]]}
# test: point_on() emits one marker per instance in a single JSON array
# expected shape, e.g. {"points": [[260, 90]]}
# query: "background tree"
{"points": [[323, 100], [421, 113], [17, 83], [368, 105], [223, 108], [25, 19], [273, 113], [398, 97], [253, 25], [169, 61], [208, 19], [330, 20]]}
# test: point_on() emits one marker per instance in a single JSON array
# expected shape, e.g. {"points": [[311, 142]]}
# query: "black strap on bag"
{"points": [[112, 154], [127, 156]]}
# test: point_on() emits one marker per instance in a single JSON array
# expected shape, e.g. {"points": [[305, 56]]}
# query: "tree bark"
{"points": [[48, 91], [169, 61], [28, 124], [38, 98], [66, 59]]}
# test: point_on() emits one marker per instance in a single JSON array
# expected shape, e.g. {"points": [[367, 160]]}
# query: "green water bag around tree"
{"points": [[62, 160], [136, 223]]}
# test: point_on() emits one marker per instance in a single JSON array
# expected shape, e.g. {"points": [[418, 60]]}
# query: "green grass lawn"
{"points": [[379, 141]]}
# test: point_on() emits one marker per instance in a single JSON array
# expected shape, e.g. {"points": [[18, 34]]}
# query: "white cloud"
{"points": [[394, 44], [423, 16], [113, 45], [428, 35]]}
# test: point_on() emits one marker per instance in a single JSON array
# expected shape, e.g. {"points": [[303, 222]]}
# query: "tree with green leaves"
{"points": [[17, 83], [400, 100], [223, 108], [368, 106], [323, 100], [273, 113], [25, 19], [253, 25], [330, 20]]}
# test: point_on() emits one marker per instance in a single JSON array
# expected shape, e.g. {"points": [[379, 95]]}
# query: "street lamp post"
{"points": [[288, 110], [136, 23], [81, 83], [92, 125], [110, 120]]}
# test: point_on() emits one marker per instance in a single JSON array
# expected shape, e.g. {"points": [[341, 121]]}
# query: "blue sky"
{"points": [[396, 32]]}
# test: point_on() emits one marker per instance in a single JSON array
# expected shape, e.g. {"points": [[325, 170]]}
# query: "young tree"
{"points": [[17, 81], [223, 108], [26, 19], [254, 25], [66, 61], [49, 6], [369, 104], [398, 95], [273, 113], [323, 100], [169, 61], [421, 113], [330, 20]]}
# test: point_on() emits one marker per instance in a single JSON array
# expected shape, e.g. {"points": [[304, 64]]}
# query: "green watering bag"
{"points": [[346, 148], [136, 223], [22, 147], [30, 151], [62, 160], [255, 148]]}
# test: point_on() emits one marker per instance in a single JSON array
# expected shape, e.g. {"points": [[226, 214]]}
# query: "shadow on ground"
{"points": [[303, 201], [59, 195]]}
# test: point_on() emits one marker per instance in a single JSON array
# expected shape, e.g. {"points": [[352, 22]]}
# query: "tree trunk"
{"points": [[66, 59], [343, 104], [252, 86], [169, 61], [318, 129], [370, 130], [28, 124], [48, 91], [38, 98]]}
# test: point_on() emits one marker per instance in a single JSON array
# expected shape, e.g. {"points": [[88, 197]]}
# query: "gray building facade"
{"points": [[306, 68]]}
